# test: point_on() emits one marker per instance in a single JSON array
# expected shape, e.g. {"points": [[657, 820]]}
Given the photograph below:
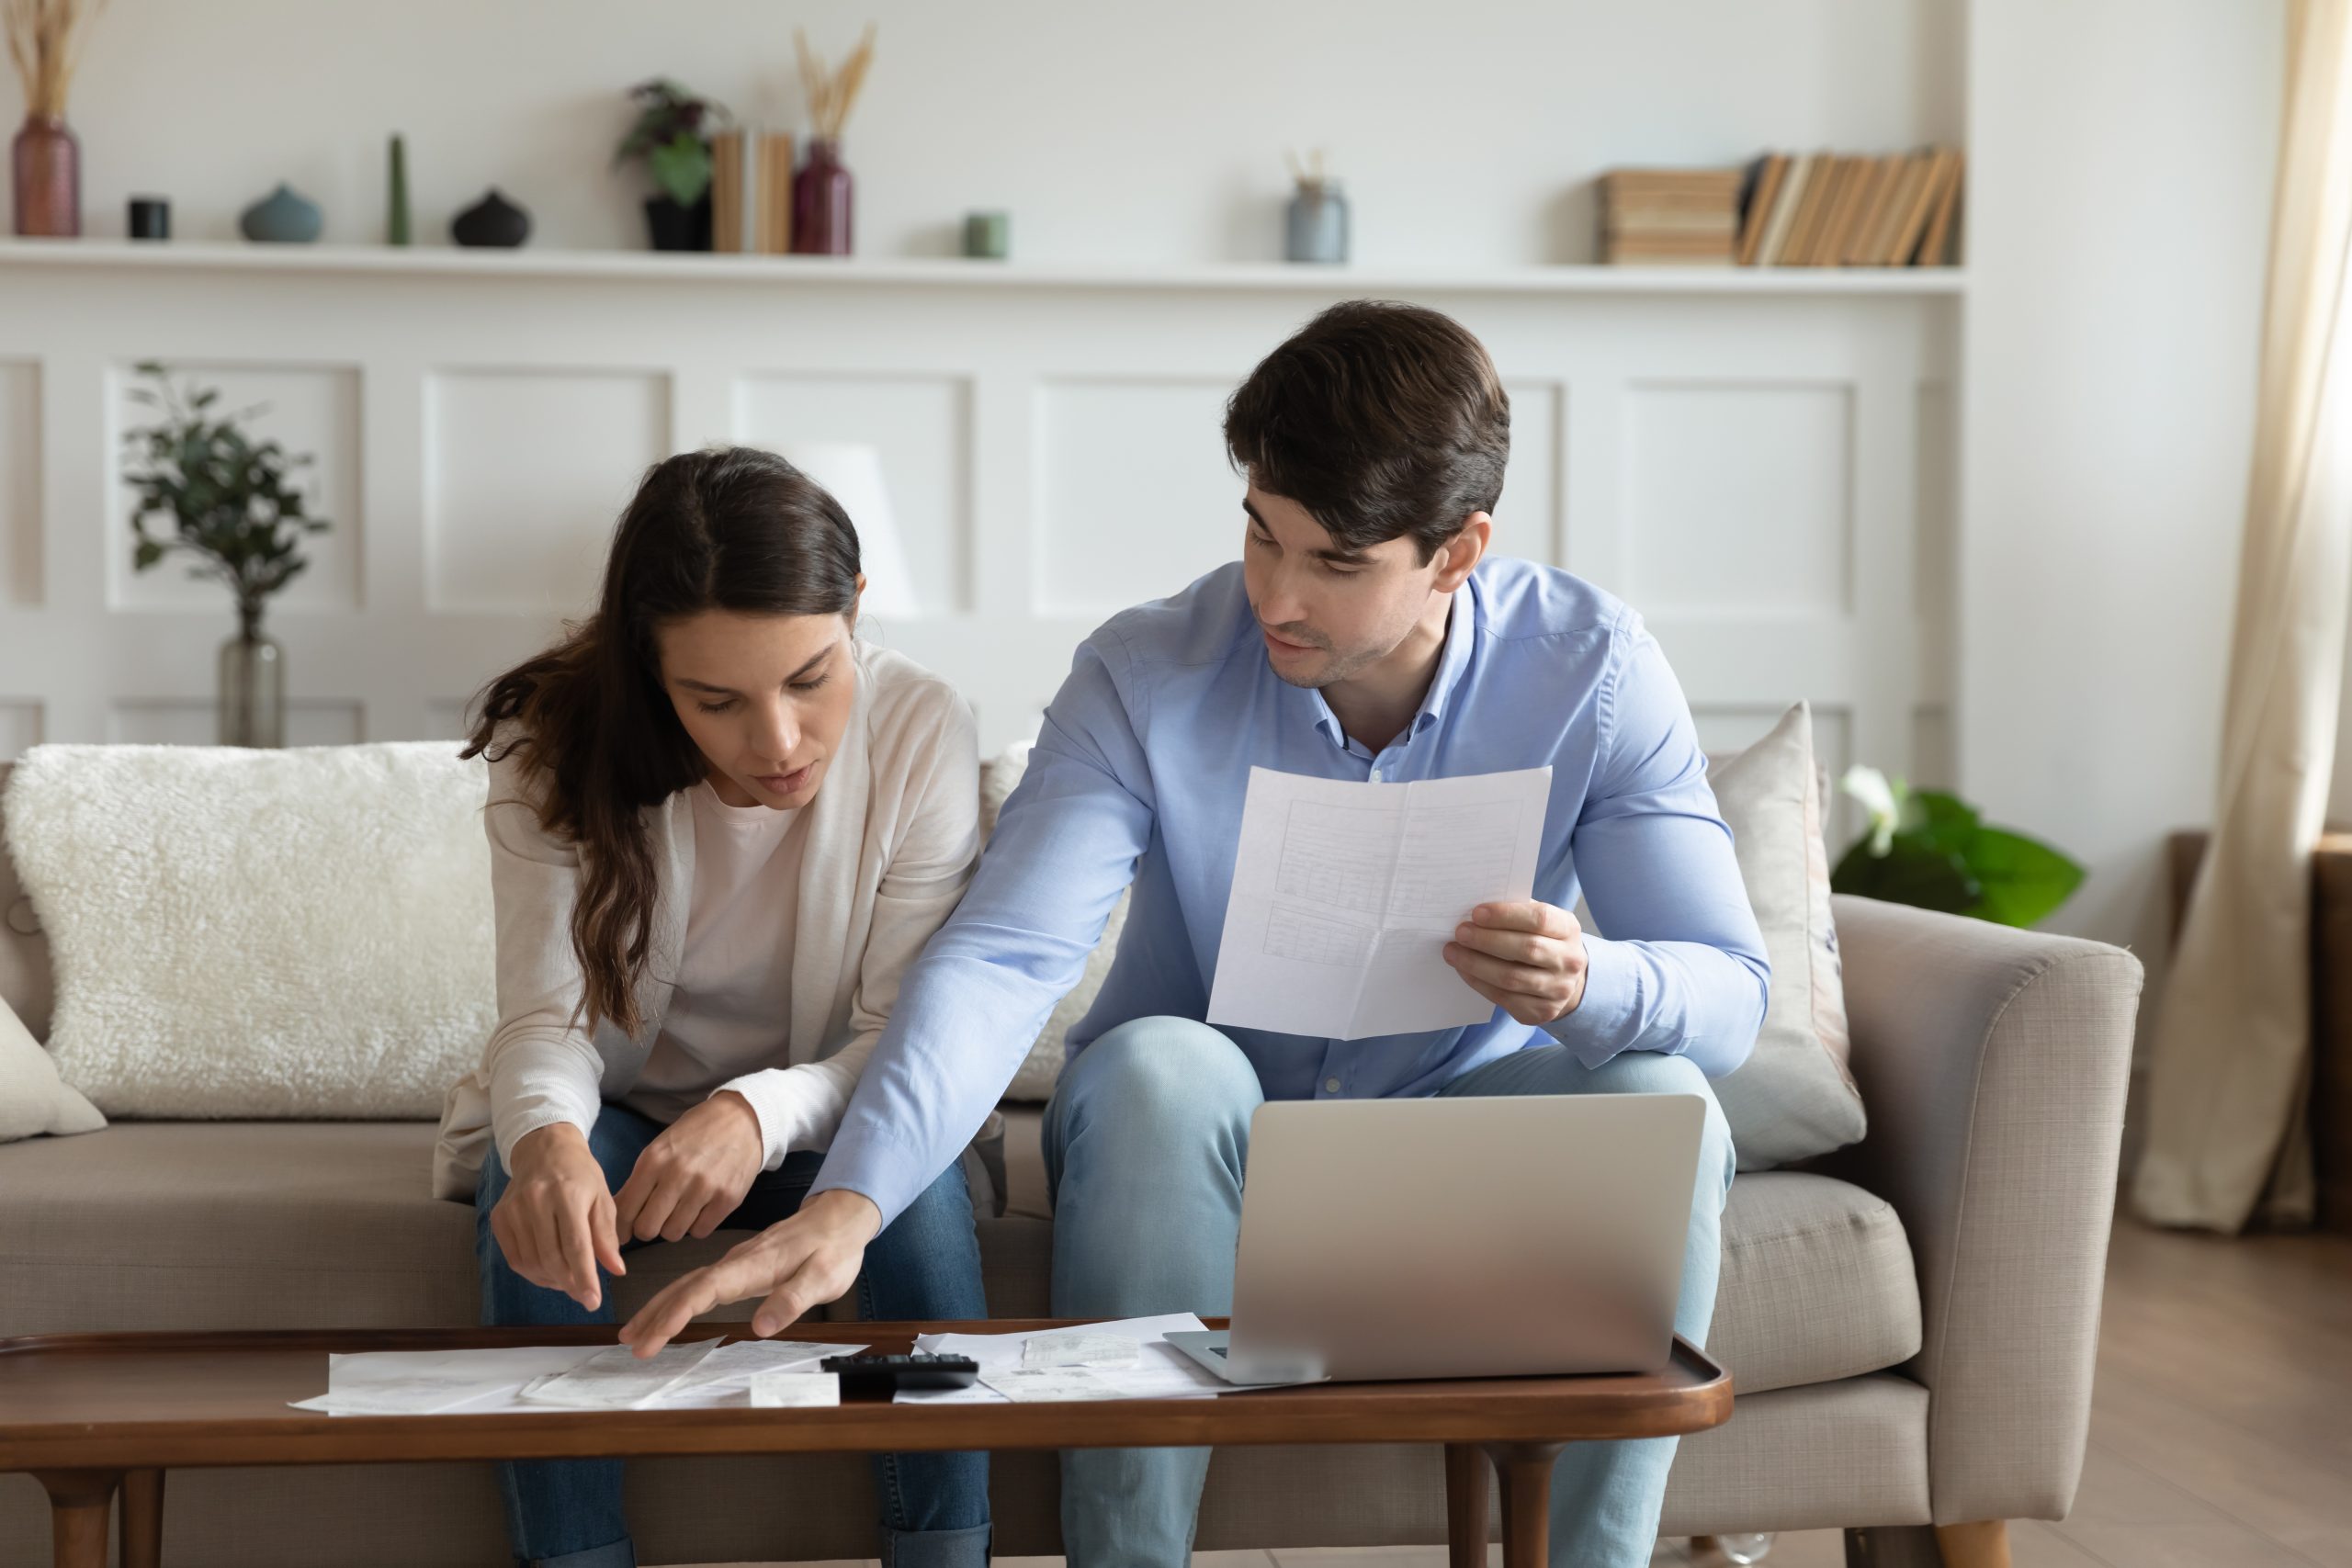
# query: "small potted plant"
{"points": [[229, 502], [673, 135]]}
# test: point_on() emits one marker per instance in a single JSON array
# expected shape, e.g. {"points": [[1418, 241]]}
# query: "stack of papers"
{"points": [[698, 1375]]}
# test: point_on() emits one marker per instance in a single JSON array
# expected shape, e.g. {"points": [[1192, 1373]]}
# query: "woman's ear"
{"points": [[855, 599]]}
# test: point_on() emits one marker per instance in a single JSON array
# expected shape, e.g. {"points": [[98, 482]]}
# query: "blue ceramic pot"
{"points": [[283, 217], [1317, 226]]}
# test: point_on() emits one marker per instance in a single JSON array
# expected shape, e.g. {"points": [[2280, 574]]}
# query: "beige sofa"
{"points": [[1910, 1325]]}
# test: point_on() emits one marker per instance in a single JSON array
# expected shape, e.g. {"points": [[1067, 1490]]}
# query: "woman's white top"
{"points": [[777, 943]]}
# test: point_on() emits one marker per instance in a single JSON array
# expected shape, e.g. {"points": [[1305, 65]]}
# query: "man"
{"points": [[1364, 635]]}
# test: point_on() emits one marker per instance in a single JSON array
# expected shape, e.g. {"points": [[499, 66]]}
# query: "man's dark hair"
{"points": [[1381, 419]]}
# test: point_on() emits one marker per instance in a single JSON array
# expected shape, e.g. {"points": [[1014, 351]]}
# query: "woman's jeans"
{"points": [[926, 1264]]}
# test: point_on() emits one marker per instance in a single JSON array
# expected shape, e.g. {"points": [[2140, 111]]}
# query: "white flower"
{"points": [[1878, 797]]}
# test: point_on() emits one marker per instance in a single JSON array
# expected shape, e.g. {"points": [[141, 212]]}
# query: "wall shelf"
{"points": [[195, 255]]}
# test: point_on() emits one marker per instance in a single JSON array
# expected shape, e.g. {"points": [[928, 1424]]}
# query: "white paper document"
{"points": [[1023, 1384], [795, 1390], [1158, 1372], [1079, 1348], [1345, 895], [503, 1380], [616, 1379], [432, 1382]]}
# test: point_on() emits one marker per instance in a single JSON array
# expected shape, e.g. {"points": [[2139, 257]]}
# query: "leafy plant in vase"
{"points": [[207, 489], [673, 135]]}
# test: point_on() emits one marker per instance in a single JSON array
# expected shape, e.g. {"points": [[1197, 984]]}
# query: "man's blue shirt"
{"points": [[1138, 775]]}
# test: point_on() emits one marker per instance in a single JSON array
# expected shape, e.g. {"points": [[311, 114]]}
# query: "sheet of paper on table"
{"points": [[1344, 897], [1158, 1372], [507, 1380]]}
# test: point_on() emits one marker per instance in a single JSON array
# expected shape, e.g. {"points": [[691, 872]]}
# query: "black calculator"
{"points": [[887, 1375]]}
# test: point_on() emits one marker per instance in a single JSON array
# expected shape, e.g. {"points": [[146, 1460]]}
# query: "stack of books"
{"points": [[1669, 215], [1824, 209]]}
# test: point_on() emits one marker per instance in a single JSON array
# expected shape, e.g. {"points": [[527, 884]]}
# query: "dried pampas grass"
{"points": [[832, 94], [45, 40]]}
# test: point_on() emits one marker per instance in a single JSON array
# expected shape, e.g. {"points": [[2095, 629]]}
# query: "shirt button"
{"points": [[1330, 1086], [1376, 775]]}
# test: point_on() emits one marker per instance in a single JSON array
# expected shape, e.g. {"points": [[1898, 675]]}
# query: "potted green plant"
{"points": [[671, 133], [1932, 849], [207, 489]]}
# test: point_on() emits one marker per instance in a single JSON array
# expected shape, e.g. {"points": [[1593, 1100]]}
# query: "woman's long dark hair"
{"points": [[726, 528]]}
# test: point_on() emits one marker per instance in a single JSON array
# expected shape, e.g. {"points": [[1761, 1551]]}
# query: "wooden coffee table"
{"points": [[92, 1414]]}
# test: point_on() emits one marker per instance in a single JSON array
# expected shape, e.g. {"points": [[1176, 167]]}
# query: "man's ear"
{"points": [[1460, 555]]}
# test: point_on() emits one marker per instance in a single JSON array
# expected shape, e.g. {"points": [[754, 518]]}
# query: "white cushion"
{"points": [[33, 1099], [244, 933], [1795, 1097]]}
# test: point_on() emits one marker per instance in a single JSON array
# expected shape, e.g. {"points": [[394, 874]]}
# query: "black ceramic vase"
{"points": [[493, 220], [674, 228]]}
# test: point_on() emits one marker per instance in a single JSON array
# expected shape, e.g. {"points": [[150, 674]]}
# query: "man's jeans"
{"points": [[1146, 1141], [925, 1265]]}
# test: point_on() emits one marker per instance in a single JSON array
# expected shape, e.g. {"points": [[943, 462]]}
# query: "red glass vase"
{"points": [[823, 198], [46, 165]]}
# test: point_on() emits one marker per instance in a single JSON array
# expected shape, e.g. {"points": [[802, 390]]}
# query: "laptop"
{"points": [[1499, 1236]]}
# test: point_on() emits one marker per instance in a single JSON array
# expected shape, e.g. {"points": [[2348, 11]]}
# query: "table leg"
{"points": [[1524, 1470], [79, 1504], [142, 1519], [1465, 1505]]}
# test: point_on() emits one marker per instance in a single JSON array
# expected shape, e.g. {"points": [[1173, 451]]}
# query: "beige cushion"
{"points": [[33, 1100], [280, 1224], [1794, 1097]]}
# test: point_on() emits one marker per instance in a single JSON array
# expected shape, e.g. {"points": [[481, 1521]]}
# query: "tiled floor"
{"points": [[2221, 1424]]}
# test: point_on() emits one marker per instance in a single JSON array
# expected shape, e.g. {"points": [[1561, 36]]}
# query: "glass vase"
{"points": [[45, 162], [252, 689], [823, 198]]}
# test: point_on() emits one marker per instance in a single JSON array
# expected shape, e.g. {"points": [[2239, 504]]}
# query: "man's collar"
{"points": [[1461, 632]]}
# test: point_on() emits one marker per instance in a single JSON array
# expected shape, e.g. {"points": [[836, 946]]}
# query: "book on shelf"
{"points": [[1668, 216], [729, 232], [1834, 209], [772, 186]]}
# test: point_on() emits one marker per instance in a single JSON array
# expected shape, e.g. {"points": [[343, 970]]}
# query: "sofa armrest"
{"points": [[1993, 1064]]}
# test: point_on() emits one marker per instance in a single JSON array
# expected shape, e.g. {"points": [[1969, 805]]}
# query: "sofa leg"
{"points": [[1893, 1546], [1982, 1545]]}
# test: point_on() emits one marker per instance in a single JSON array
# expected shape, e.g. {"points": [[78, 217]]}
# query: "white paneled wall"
{"points": [[1761, 466]]}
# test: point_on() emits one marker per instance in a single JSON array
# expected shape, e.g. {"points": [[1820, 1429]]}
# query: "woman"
{"points": [[721, 828]]}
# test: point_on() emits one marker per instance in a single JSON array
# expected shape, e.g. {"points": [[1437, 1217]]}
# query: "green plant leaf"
{"points": [[146, 555], [2023, 879], [1912, 871], [682, 168], [1944, 820]]}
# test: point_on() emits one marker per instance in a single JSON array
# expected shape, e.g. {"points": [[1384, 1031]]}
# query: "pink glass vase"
{"points": [[46, 165], [822, 198]]}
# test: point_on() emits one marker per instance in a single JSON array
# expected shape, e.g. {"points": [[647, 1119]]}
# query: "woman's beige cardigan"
{"points": [[893, 835]]}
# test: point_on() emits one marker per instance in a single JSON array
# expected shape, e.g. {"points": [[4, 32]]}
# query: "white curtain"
{"points": [[2230, 1073]]}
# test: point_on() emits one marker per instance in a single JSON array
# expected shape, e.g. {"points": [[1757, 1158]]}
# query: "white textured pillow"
{"points": [[33, 1099], [242, 933], [1038, 1071], [1794, 1097]]}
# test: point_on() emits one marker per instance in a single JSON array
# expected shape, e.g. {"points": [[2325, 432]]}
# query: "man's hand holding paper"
{"points": [[1525, 956]]}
